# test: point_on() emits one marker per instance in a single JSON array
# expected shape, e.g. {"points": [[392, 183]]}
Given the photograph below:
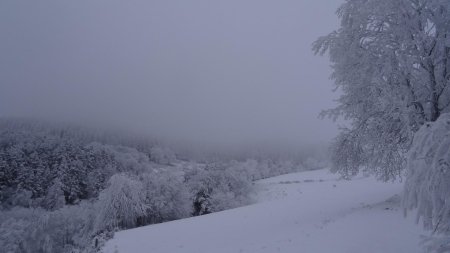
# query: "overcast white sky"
{"points": [[202, 70]]}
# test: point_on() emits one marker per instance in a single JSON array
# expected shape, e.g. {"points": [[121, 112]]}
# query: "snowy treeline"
{"points": [[67, 189]]}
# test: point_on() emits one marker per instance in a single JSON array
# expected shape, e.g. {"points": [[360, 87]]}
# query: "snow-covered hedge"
{"points": [[427, 185]]}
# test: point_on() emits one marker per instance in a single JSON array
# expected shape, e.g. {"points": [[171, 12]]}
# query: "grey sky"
{"points": [[202, 70]]}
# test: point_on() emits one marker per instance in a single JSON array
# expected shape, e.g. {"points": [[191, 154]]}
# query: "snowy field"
{"points": [[311, 212]]}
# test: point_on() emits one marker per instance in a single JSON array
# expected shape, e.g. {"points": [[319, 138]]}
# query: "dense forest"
{"points": [[65, 188]]}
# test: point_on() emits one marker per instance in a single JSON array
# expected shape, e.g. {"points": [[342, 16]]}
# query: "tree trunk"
{"points": [[434, 97]]}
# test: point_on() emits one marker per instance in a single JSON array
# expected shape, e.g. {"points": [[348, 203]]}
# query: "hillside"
{"points": [[301, 212], [66, 188]]}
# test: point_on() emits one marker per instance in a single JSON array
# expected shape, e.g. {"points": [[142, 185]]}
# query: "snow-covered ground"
{"points": [[311, 212]]}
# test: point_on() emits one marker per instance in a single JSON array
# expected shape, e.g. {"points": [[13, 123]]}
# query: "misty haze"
{"points": [[225, 126], [197, 70]]}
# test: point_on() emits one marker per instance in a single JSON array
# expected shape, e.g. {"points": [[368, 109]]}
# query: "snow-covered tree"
{"points": [[427, 185], [165, 196], [215, 189], [66, 189], [54, 199], [120, 205], [390, 60]]}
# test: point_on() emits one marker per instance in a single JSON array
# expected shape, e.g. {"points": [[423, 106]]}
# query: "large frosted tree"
{"points": [[390, 60]]}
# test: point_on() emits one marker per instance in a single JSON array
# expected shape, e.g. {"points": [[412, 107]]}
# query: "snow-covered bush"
{"points": [[12, 235], [54, 199], [22, 198], [30, 230], [217, 189], [427, 185], [125, 159], [165, 197], [65, 230], [248, 169], [120, 205], [15, 226]]}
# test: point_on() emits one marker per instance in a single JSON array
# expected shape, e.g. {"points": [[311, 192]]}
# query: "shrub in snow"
{"points": [[29, 230], [65, 230], [217, 189], [15, 228], [12, 235], [22, 198], [54, 199], [120, 204], [165, 197], [125, 159], [427, 185], [247, 169]]}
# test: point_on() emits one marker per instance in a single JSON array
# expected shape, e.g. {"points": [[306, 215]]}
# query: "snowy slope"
{"points": [[301, 212]]}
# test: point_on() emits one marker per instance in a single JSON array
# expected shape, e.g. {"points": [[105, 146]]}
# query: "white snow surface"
{"points": [[311, 212]]}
